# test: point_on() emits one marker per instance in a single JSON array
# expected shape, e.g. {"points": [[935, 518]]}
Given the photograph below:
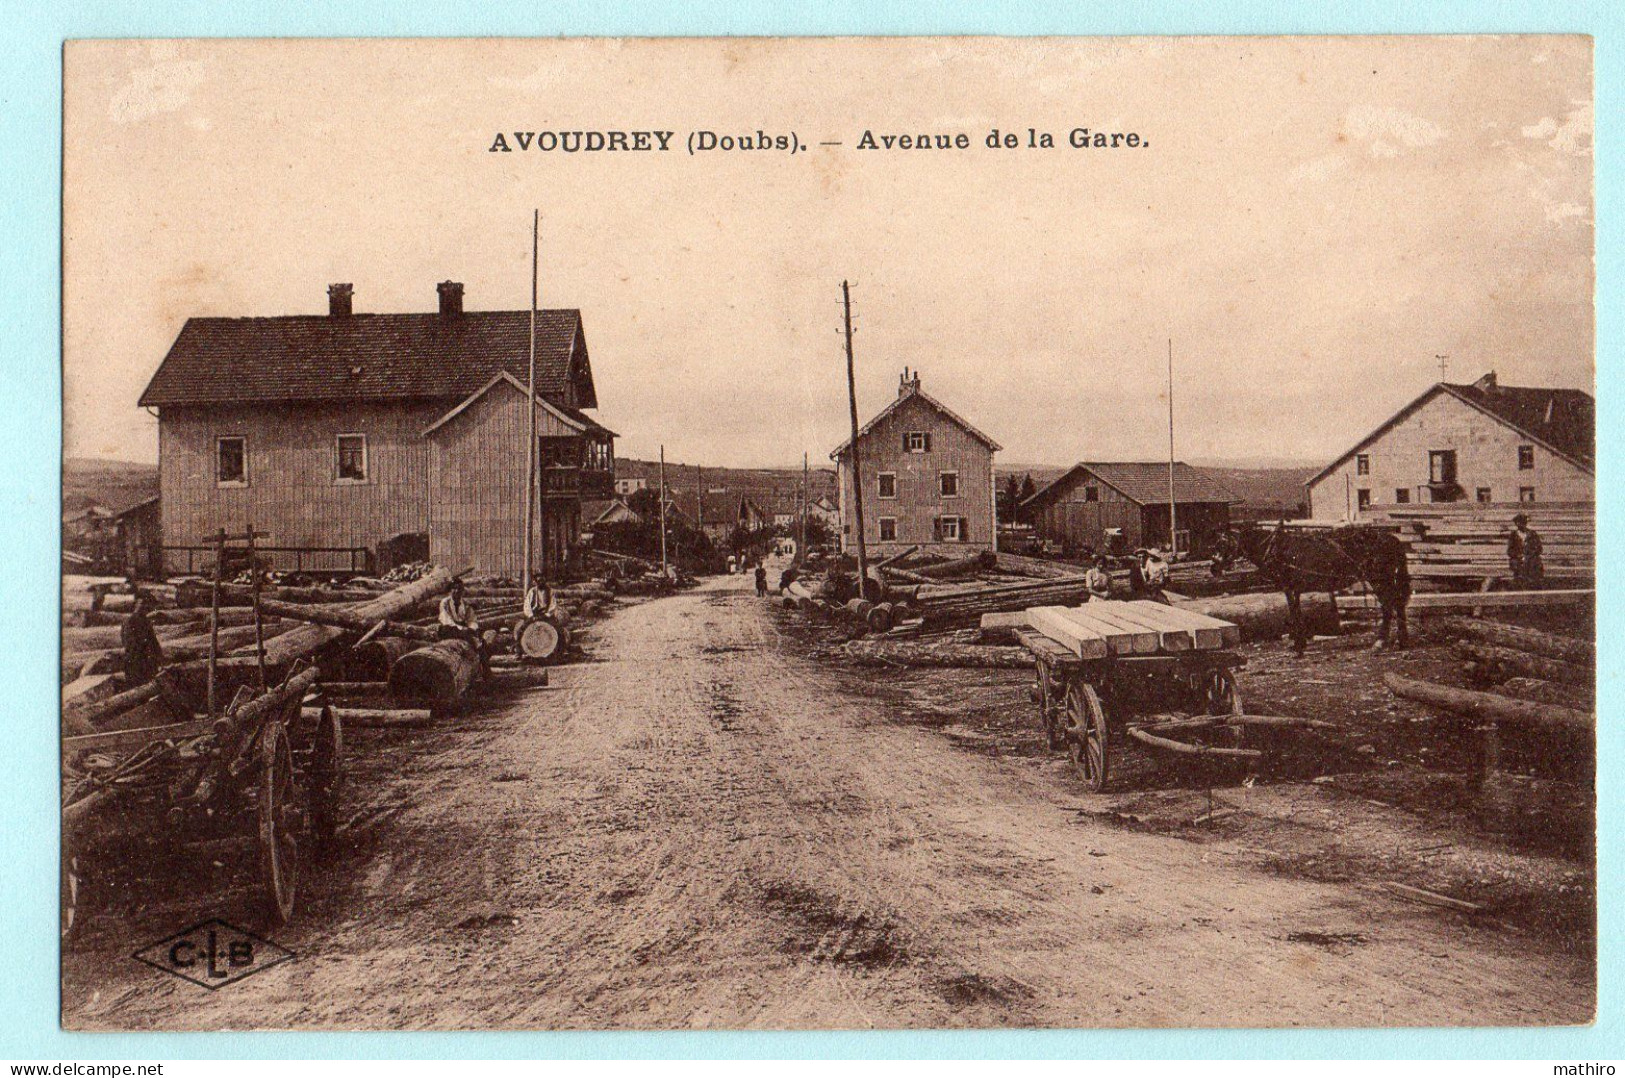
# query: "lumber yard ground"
{"points": [[702, 826]]}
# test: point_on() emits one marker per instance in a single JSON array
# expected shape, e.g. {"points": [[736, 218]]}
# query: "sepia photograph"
{"points": [[828, 534]]}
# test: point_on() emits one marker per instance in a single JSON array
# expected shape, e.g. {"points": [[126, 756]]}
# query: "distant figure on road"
{"points": [[1098, 580], [788, 577], [761, 580], [142, 653], [1524, 550], [457, 620]]}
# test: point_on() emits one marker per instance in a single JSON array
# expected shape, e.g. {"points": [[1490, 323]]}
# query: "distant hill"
{"points": [[768, 486], [1264, 492], [115, 485]]}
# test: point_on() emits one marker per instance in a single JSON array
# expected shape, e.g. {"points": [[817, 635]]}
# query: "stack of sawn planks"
{"points": [[1465, 541]]}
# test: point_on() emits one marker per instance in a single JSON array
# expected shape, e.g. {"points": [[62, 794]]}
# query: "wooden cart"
{"points": [[1160, 675], [268, 772]]}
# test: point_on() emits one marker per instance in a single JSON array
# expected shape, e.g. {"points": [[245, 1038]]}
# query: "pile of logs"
{"points": [[1539, 680]]}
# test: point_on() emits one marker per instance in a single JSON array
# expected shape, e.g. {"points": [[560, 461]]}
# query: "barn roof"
{"points": [[1144, 482], [911, 394], [1562, 420], [365, 357]]}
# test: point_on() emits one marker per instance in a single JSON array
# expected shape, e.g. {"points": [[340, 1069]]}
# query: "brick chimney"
{"points": [[451, 298], [339, 297], [1486, 383], [907, 385]]}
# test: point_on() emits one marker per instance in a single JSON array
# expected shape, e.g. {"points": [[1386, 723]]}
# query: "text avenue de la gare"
{"points": [[757, 141]]}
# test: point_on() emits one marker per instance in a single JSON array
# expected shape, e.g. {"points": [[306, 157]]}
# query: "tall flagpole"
{"points": [[530, 393], [1173, 528], [662, 510], [857, 473]]}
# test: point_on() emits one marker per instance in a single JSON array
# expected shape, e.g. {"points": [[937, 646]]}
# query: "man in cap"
{"points": [[1524, 550]]}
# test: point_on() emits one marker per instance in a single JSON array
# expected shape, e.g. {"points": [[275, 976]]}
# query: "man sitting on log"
{"points": [[1148, 576], [539, 601], [1098, 580], [457, 620]]}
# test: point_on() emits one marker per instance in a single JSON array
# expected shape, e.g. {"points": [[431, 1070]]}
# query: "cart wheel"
{"points": [[1220, 696], [1047, 708], [72, 896], [279, 819], [326, 779], [1086, 737]]}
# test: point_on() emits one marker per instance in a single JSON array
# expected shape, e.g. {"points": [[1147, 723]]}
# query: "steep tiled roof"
{"points": [[363, 357], [911, 394], [1145, 482]]}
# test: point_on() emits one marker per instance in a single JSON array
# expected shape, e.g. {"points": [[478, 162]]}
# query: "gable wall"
{"points": [[1486, 456]]}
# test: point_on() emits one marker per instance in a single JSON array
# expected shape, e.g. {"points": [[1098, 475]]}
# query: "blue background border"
{"points": [[31, 36]]}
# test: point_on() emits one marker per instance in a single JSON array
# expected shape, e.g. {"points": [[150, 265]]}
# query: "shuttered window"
{"points": [[917, 441]]}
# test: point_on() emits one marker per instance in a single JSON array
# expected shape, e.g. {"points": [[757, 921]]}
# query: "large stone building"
{"points": [[1482, 442], [346, 435], [927, 479]]}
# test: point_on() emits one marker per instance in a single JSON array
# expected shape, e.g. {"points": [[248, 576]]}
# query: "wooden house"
{"points": [[927, 479], [1121, 506], [1480, 442], [343, 433]]}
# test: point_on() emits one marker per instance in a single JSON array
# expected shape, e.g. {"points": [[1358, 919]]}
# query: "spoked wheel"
{"points": [[280, 823], [1046, 706], [325, 779], [1086, 737], [1220, 696], [72, 896]]}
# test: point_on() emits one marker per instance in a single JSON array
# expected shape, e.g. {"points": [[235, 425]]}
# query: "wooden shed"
{"points": [[1122, 505]]}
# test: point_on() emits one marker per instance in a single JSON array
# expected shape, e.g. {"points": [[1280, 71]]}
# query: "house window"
{"points": [[352, 458], [888, 529], [1402, 496], [1484, 495], [917, 441], [948, 484], [231, 462], [1091, 494], [1442, 466], [1362, 464], [953, 529], [1526, 494], [1362, 498], [888, 484], [1526, 458]]}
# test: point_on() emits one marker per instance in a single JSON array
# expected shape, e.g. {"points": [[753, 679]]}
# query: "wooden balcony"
{"points": [[588, 483]]}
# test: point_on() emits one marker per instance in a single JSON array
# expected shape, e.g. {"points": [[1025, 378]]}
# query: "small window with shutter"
{"points": [[917, 441], [952, 532]]}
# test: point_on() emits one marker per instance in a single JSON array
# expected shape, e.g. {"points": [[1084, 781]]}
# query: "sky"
{"points": [[1312, 223]]}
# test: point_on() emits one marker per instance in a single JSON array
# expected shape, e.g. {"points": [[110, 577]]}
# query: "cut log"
{"points": [[543, 640], [373, 660], [435, 676], [895, 558], [344, 617], [376, 716], [192, 593], [946, 570], [1581, 698], [1565, 648], [307, 639], [1037, 567], [1490, 706], [1509, 662], [879, 619], [1461, 601], [84, 718], [1265, 616], [894, 653]]}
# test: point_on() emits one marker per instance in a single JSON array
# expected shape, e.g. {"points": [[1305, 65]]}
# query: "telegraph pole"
{"points": [[530, 393], [662, 510], [857, 474], [1173, 529], [801, 545]]}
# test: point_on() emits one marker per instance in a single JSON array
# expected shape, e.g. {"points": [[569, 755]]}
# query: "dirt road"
{"points": [[700, 829]]}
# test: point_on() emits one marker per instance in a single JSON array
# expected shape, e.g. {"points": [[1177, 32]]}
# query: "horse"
{"points": [[1331, 560]]}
